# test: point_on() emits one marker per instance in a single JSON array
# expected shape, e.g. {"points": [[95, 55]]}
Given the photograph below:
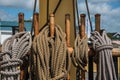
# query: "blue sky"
{"points": [[9, 9], [11, 13], [109, 10]]}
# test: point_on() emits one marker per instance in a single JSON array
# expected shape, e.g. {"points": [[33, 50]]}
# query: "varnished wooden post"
{"points": [[36, 32], [82, 26], [82, 34], [67, 30], [97, 26], [21, 22], [52, 25], [21, 29], [35, 23], [97, 22]]}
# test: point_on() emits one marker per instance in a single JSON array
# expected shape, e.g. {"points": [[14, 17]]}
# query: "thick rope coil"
{"points": [[14, 49], [51, 58], [102, 46], [80, 53]]}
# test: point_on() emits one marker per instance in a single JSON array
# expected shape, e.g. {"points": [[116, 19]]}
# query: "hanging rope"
{"points": [[102, 46], [51, 58], [88, 11], [14, 49], [80, 53]]}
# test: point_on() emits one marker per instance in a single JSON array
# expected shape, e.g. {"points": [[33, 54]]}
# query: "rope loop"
{"points": [[14, 49], [6, 73], [80, 53], [4, 53], [51, 58], [102, 46]]}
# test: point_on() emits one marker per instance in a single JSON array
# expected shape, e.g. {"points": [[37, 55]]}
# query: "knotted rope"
{"points": [[51, 58], [80, 53], [14, 50], [103, 48]]}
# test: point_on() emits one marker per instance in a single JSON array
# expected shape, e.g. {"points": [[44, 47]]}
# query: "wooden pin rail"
{"points": [[115, 51]]}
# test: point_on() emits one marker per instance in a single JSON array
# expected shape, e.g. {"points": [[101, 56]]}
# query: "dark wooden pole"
{"points": [[115, 59], [82, 26], [91, 68], [21, 22], [97, 26], [97, 22], [82, 34]]}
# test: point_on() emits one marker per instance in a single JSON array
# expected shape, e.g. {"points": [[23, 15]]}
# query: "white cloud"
{"points": [[6, 17], [18, 3], [110, 18]]}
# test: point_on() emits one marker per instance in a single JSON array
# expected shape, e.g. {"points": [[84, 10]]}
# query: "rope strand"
{"points": [[102, 46], [53, 61], [80, 53], [14, 50]]}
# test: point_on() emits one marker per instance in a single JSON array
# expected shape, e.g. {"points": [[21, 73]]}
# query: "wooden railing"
{"points": [[115, 51]]}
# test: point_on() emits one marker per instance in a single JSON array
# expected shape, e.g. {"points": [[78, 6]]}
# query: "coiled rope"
{"points": [[103, 48], [52, 60], [80, 53], [14, 49]]}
